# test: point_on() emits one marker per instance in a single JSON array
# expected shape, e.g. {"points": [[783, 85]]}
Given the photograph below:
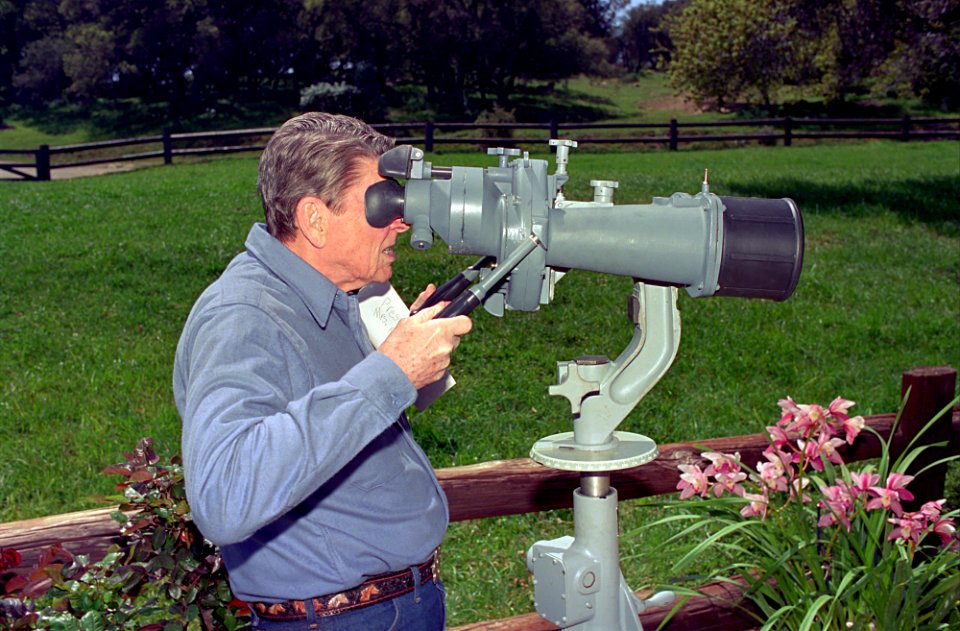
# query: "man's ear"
{"points": [[312, 220]]}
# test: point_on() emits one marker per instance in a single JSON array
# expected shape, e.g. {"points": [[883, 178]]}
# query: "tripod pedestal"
{"points": [[577, 580]]}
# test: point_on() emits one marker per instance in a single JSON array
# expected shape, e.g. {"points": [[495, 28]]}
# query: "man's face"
{"points": [[361, 253]]}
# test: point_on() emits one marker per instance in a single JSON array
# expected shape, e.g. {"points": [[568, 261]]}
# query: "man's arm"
{"points": [[259, 436]]}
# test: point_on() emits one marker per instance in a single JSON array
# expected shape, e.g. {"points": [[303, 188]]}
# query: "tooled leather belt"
{"points": [[370, 592]]}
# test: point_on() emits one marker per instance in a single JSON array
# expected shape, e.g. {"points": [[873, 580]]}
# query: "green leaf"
{"points": [[690, 556], [811, 617], [92, 621]]}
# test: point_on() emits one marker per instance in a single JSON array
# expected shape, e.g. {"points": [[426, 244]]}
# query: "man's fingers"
{"points": [[426, 293], [459, 325], [429, 313]]}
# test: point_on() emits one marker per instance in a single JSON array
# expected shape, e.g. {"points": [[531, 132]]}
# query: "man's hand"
{"points": [[421, 346], [422, 298]]}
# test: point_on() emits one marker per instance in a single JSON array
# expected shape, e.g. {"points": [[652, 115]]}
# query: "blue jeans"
{"points": [[423, 609]]}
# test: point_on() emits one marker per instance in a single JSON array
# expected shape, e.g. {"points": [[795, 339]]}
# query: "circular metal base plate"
{"points": [[561, 452]]}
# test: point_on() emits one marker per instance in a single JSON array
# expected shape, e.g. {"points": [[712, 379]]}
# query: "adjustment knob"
{"points": [[503, 153]]}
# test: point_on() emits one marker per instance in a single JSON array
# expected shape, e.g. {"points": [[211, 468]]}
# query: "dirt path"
{"points": [[67, 173]]}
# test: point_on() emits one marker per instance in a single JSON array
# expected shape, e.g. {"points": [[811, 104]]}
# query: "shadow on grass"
{"points": [[544, 103], [818, 109], [933, 200], [124, 118]]}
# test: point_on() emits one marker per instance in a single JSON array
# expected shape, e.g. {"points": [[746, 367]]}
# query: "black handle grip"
{"points": [[454, 286], [461, 305], [446, 291]]}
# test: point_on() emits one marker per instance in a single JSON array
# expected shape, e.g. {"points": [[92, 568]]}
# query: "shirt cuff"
{"points": [[383, 383]]}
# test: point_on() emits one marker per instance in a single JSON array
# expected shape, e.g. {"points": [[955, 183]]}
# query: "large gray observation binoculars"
{"points": [[516, 214], [517, 218]]}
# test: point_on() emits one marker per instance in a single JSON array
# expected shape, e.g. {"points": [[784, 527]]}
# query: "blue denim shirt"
{"points": [[299, 461]]}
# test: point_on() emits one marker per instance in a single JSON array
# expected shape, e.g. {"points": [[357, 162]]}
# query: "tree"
{"points": [[187, 53], [641, 41], [9, 48], [37, 74], [925, 60], [745, 50], [461, 47], [728, 51], [838, 45]]}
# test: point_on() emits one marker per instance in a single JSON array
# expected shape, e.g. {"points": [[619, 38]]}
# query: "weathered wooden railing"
{"points": [[38, 164], [510, 487]]}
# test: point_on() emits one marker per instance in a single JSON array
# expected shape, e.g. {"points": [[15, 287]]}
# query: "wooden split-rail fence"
{"points": [[40, 163]]}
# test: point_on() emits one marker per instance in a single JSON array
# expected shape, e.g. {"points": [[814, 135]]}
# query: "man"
{"points": [[299, 461]]}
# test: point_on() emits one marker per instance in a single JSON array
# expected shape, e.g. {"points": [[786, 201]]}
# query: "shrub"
{"points": [[330, 97], [162, 576]]}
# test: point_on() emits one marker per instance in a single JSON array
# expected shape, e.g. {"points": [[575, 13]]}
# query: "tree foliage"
{"points": [[744, 50], [461, 57], [641, 42], [725, 51], [193, 53]]}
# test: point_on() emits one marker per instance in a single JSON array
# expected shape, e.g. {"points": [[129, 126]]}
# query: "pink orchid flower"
{"points": [[852, 427], [721, 463], [729, 483], [693, 481], [790, 411], [772, 475], [838, 408], [908, 528], [861, 482], [947, 530], [797, 486], [931, 510], [889, 496], [839, 504], [756, 507], [778, 437]]}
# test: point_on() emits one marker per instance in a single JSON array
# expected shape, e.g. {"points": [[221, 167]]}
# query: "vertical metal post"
{"points": [[43, 163], [596, 530]]}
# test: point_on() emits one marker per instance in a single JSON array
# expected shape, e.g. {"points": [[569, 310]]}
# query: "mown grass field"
{"points": [[98, 274]]}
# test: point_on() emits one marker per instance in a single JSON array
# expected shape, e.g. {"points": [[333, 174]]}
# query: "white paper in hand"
{"points": [[381, 308]]}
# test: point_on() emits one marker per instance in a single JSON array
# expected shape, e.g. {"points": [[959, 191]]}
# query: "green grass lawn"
{"points": [[98, 275]]}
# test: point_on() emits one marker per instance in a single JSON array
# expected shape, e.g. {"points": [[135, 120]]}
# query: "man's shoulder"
{"points": [[245, 281]]}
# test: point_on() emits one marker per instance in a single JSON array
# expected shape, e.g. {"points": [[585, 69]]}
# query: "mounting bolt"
{"points": [[603, 190], [563, 146], [503, 154]]}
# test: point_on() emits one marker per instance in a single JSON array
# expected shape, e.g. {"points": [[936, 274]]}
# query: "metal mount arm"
{"points": [[601, 392]]}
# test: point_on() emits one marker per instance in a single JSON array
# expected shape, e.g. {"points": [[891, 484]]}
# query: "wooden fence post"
{"points": [[787, 131], [554, 130], [905, 128], [674, 134], [931, 388], [43, 163], [167, 146], [428, 136]]}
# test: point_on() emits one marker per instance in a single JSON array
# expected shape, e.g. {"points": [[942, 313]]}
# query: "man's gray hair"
{"points": [[314, 154]]}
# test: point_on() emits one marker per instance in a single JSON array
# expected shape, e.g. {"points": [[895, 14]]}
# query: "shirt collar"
{"points": [[315, 289]]}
